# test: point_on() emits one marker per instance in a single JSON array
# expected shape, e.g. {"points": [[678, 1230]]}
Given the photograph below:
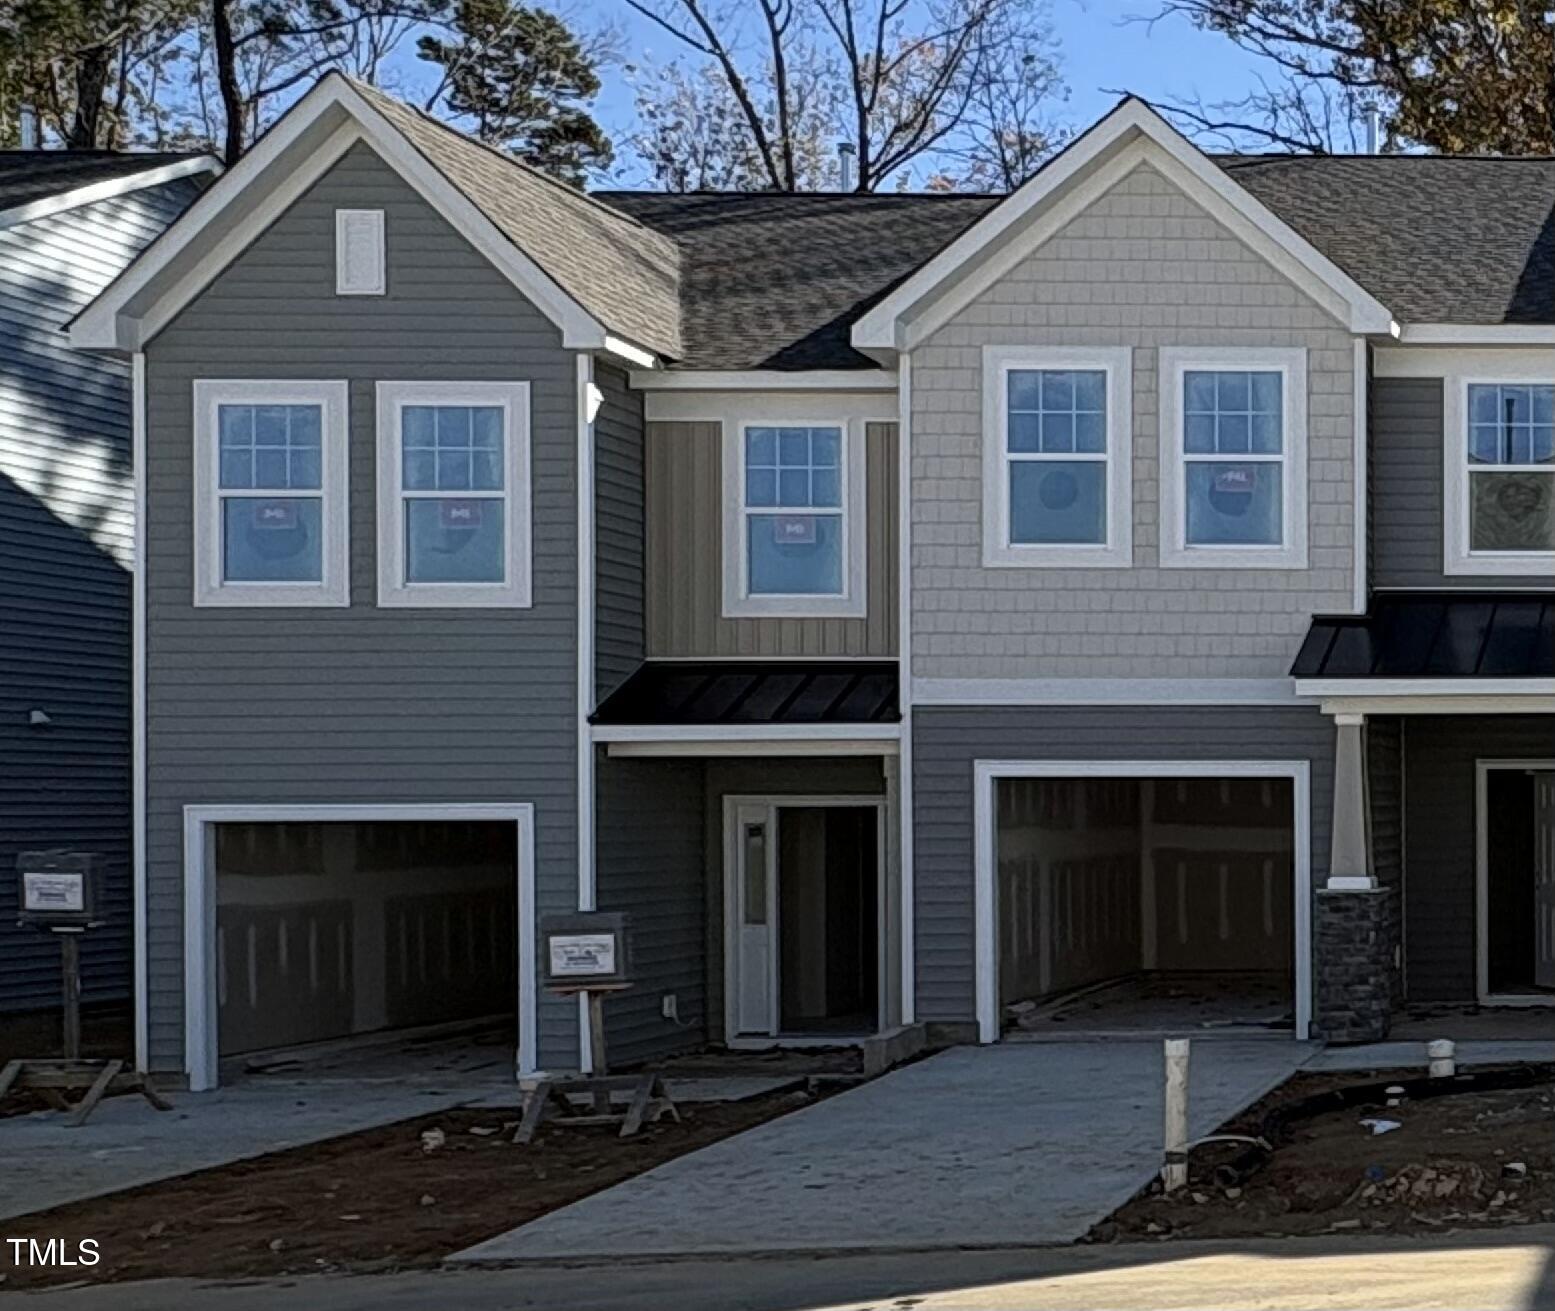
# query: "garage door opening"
{"points": [[332, 930], [1137, 905]]}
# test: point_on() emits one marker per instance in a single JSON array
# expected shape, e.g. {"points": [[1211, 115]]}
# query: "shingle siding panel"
{"points": [[947, 742], [66, 501], [270, 706], [1143, 266]]}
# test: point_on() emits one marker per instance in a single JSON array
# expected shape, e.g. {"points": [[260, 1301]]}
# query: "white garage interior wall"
{"points": [[327, 930], [1106, 878]]}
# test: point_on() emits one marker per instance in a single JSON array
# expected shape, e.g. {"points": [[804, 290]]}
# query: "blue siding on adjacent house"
{"points": [[66, 528], [359, 704]]}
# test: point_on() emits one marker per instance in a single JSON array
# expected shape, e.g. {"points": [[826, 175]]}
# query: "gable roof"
{"points": [[37, 182], [1438, 238], [592, 270], [626, 274], [776, 281]]}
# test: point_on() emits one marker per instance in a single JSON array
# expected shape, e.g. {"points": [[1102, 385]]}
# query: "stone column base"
{"points": [[1354, 964]]}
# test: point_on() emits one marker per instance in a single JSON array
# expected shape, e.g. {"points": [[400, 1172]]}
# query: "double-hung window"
{"points": [[1501, 480], [1233, 458], [1056, 457], [453, 494], [793, 541], [270, 514]]}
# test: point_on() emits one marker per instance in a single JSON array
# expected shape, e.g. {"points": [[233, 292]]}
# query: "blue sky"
{"points": [[1100, 50]]}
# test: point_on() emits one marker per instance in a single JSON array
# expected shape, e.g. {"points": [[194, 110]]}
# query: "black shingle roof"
{"points": [[773, 281], [1435, 635], [755, 692], [32, 175]]}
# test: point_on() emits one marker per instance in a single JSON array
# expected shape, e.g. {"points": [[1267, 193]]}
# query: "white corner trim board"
{"points": [[987, 773], [142, 977], [904, 666], [587, 400], [201, 1039]]}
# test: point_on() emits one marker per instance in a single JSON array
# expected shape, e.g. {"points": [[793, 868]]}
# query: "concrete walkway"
{"points": [[992, 1146]]}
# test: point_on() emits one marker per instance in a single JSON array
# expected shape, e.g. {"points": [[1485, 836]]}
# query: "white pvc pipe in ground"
{"points": [[1444, 1063], [1174, 1168]]}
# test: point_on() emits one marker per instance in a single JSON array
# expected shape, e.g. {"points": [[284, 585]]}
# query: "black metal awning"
{"points": [[755, 692], [1435, 635]]}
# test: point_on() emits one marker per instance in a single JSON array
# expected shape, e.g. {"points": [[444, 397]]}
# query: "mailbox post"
{"points": [[57, 893]]}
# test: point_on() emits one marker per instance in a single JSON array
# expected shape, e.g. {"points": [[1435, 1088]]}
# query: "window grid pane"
{"points": [[452, 448], [1056, 412], [1233, 412], [269, 448], [793, 468], [1511, 424]]}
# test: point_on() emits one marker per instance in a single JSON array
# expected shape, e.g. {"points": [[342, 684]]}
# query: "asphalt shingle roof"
{"points": [[774, 281], [27, 176], [624, 274]]}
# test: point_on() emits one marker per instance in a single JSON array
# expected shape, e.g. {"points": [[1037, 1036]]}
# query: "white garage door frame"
{"points": [[986, 773], [201, 1043]]}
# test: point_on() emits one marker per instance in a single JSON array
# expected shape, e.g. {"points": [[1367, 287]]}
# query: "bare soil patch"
{"points": [[368, 1201], [1468, 1160]]}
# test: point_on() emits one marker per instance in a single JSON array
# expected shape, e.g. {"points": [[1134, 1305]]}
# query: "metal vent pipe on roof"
{"points": [[27, 131], [1373, 130], [847, 158]]}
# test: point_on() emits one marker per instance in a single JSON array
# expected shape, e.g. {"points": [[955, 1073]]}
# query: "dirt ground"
{"points": [[1452, 1164], [370, 1201]]}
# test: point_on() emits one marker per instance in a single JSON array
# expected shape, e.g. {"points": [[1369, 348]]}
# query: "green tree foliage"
{"points": [[519, 78]]}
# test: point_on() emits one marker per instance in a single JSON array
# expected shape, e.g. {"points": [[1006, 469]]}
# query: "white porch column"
{"points": [[1350, 864]]}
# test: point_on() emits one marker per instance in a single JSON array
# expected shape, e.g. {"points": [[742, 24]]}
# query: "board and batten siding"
{"points": [[1440, 755], [66, 544], [685, 495], [618, 531], [947, 742], [360, 704], [1146, 267], [1408, 492]]}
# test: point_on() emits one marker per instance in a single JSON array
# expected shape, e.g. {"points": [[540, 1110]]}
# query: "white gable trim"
{"points": [[323, 125], [119, 186], [1131, 135]]}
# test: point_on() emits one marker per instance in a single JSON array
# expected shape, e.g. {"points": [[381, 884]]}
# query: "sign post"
{"points": [[57, 893], [590, 953]]}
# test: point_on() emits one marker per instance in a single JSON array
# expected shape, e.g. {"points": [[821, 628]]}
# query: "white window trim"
{"points": [[333, 398], [1291, 363], [516, 591], [343, 220], [1117, 552], [852, 602], [1458, 556]]}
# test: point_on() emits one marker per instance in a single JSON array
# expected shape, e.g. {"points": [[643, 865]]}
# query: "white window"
{"points": [[359, 252], [270, 524], [1057, 457], [453, 494], [1233, 458], [794, 509], [1501, 480]]}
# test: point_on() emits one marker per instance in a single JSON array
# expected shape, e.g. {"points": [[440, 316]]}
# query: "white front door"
{"points": [[1544, 879], [755, 920]]}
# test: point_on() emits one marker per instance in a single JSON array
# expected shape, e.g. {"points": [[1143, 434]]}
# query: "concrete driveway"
{"points": [[976, 1147]]}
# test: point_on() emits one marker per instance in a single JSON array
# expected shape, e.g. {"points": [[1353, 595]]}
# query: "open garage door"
{"points": [[1145, 904], [327, 930]]}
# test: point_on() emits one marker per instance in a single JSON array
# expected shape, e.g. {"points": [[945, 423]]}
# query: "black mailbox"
{"points": [[587, 949], [57, 889]]}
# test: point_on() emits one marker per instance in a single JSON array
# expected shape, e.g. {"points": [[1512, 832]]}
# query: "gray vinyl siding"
{"points": [[66, 543], [649, 863], [1440, 754], [1144, 267], [618, 530], [947, 741], [1407, 488], [359, 704], [685, 556]]}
